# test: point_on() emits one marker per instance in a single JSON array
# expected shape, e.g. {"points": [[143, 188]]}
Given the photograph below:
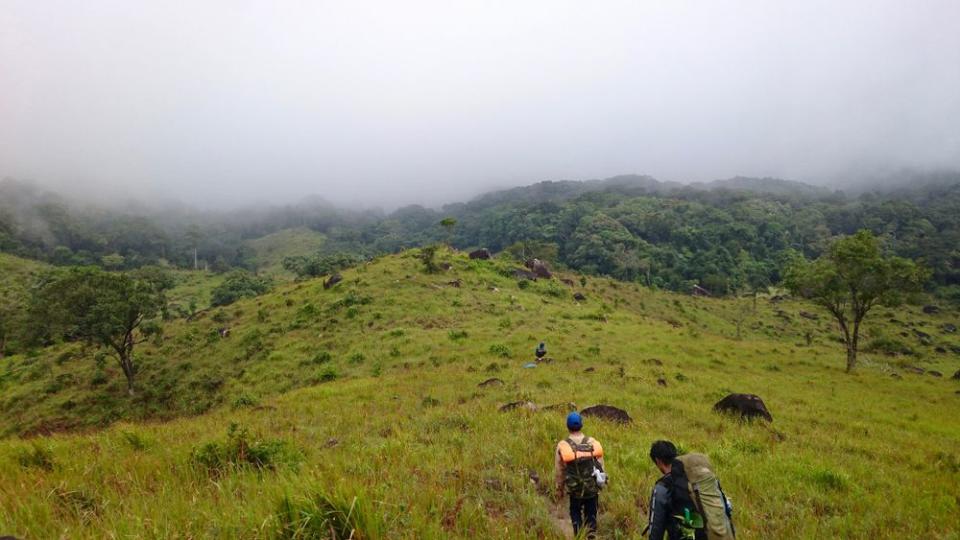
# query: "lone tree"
{"points": [[103, 308], [852, 277], [448, 223]]}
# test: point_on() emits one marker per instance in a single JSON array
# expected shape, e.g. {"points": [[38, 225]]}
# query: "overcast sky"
{"points": [[381, 103]]}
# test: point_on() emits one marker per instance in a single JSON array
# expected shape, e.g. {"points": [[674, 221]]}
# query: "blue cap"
{"points": [[574, 422]]}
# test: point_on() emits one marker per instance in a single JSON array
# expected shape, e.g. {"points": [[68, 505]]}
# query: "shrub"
{"points": [[321, 357], [428, 256], [457, 334], [356, 358], [328, 517], [888, 346], [37, 457], [328, 374], [319, 265], [500, 349], [829, 480], [552, 288], [239, 451], [351, 299], [134, 440], [238, 284], [245, 400]]}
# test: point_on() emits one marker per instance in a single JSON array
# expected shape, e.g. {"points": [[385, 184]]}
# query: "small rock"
{"points": [[494, 484], [579, 297], [930, 310], [811, 316], [744, 405], [491, 382], [482, 254], [607, 412], [896, 376], [941, 350], [661, 381], [331, 442], [534, 477], [524, 274], [948, 328], [455, 283], [956, 376], [935, 373], [528, 405], [590, 370], [915, 369], [565, 407]]}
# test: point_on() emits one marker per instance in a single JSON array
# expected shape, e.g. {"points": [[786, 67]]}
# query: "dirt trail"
{"points": [[561, 519]]}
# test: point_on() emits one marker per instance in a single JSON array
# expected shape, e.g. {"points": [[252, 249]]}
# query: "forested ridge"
{"points": [[726, 236]]}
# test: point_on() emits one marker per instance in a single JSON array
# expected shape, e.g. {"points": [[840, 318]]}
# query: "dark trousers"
{"points": [[584, 511]]}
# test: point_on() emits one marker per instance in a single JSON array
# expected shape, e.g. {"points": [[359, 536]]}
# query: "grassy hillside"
{"points": [[15, 273], [271, 249], [367, 394]]}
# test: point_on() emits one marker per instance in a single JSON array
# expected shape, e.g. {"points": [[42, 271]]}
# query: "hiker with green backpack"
{"points": [[579, 473], [687, 502]]}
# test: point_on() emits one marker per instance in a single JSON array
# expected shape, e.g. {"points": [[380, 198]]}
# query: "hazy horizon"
{"points": [[381, 104]]}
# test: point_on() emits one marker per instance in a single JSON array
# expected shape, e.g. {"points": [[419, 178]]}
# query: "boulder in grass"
{"points": [[482, 254], [744, 405], [332, 280], [607, 412], [539, 268], [948, 328], [931, 310], [528, 405], [935, 373], [956, 376], [579, 297]]}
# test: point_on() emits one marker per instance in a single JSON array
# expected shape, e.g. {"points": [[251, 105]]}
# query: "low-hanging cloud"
{"points": [[383, 103]]}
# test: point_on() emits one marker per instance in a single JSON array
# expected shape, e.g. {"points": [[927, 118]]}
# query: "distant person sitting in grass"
{"points": [[541, 351], [579, 473], [687, 502]]}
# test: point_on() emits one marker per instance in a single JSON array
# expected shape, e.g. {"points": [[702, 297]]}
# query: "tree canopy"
{"points": [[852, 277]]}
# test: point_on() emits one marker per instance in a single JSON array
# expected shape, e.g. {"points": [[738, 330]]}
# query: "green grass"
{"points": [[270, 250], [401, 442]]}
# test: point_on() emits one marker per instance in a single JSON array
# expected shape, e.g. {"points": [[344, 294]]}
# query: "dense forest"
{"points": [[726, 236]]}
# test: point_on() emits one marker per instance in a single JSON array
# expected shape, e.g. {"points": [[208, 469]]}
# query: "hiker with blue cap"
{"points": [[579, 473]]}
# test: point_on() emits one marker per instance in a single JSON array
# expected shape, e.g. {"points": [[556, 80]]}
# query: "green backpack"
{"points": [[710, 502], [579, 479]]}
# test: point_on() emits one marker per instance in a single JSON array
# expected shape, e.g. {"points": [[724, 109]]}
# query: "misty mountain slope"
{"points": [[393, 415], [727, 236]]}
